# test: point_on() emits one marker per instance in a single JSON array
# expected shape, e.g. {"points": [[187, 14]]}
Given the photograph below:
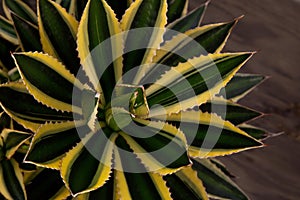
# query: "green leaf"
{"points": [[19, 8], [130, 172], [211, 39], [106, 192], [209, 136], [45, 184], [232, 112], [190, 21], [13, 139], [186, 185], [97, 24], [142, 14], [216, 182], [58, 28], [7, 31], [191, 44], [27, 33], [24, 109], [48, 80], [11, 180], [52, 141], [194, 82], [160, 146], [241, 85], [255, 132], [90, 162], [176, 9], [138, 105]]}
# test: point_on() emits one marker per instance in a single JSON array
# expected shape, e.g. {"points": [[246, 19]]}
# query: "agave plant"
{"points": [[97, 130]]}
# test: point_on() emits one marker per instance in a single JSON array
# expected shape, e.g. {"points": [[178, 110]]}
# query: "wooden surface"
{"points": [[271, 27]]}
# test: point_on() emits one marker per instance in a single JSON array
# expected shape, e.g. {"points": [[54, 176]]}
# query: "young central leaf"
{"points": [[117, 118]]}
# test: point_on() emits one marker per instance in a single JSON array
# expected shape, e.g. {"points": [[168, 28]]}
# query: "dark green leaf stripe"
{"points": [[146, 16], [254, 132], [15, 138], [106, 192], [190, 21], [48, 145], [209, 136], [216, 182], [24, 106], [45, 78], [234, 113], [155, 139], [38, 188], [7, 31], [208, 133], [180, 190], [240, 85], [28, 34], [59, 33], [88, 161], [99, 31], [38, 73], [206, 39], [140, 185], [200, 78], [175, 9], [12, 182], [209, 41], [21, 9]]}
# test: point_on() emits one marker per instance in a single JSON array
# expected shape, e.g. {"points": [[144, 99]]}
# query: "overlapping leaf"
{"points": [[230, 111], [58, 28], [194, 82], [11, 180], [24, 109], [217, 184], [7, 31], [186, 185], [161, 147], [97, 24], [48, 80], [176, 9], [37, 188], [209, 136], [187, 22], [19, 8], [88, 165], [52, 141], [27, 33], [130, 172], [140, 45], [240, 85]]}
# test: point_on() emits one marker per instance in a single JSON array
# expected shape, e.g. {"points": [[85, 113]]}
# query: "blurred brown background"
{"points": [[271, 27]]}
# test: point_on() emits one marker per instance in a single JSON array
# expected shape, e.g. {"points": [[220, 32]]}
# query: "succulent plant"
{"points": [[120, 100]]}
